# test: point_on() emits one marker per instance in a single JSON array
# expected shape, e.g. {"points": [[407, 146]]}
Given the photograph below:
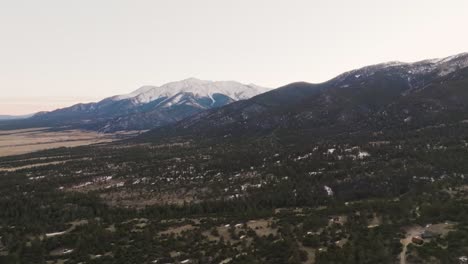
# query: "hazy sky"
{"points": [[56, 52]]}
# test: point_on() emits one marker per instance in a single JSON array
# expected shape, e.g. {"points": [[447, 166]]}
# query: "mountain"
{"points": [[393, 95], [148, 107], [14, 117]]}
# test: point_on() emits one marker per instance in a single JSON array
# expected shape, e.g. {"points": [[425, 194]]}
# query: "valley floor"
{"points": [[382, 200], [22, 141]]}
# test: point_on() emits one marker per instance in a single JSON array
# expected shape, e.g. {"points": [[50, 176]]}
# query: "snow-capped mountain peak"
{"points": [[199, 88]]}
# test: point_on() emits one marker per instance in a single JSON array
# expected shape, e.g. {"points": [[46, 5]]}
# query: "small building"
{"points": [[428, 235], [334, 219], [417, 240]]}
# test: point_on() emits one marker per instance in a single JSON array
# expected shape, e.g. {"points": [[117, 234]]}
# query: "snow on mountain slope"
{"points": [[411, 71], [141, 90], [199, 88]]}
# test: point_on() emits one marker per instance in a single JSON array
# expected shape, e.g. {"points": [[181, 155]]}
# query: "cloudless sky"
{"points": [[57, 52]]}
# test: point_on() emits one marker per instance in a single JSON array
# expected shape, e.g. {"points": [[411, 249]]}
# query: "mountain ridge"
{"points": [[147, 107], [355, 100]]}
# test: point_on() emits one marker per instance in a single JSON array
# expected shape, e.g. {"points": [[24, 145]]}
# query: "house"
{"points": [[417, 240], [428, 235]]}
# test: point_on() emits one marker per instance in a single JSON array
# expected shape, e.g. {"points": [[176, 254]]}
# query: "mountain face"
{"points": [[149, 106], [393, 95]]}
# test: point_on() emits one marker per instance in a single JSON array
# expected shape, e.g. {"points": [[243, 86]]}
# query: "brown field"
{"points": [[33, 165], [21, 141]]}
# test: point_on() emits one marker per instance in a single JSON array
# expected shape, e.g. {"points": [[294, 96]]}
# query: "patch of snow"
{"points": [[226, 261], [37, 178], [328, 190], [303, 157], [56, 234], [67, 251], [363, 154]]}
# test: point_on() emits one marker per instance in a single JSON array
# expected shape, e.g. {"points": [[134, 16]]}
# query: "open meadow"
{"points": [[22, 141]]}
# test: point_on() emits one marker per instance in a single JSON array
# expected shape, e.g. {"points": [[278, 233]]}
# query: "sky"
{"points": [[54, 53]]}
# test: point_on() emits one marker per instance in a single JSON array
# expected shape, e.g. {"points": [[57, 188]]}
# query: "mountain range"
{"points": [[145, 108], [393, 95], [390, 96]]}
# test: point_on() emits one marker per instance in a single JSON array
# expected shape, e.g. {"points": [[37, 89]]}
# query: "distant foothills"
{"points": [[15, 117], [390, 94]]}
